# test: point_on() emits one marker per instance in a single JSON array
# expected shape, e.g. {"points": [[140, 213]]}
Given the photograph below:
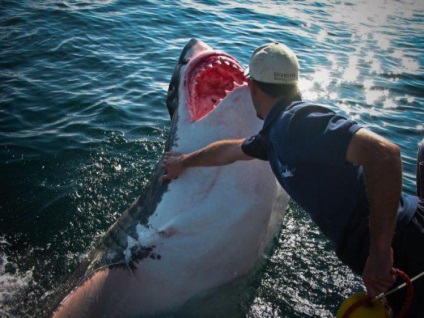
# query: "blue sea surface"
{"points": [[83, 123]]}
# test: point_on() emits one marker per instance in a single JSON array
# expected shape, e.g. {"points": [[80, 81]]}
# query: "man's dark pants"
{"points": [[408, 250]]}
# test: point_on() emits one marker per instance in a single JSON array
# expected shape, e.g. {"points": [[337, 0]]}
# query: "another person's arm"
{"points": [[382, 166], [218, 153]]}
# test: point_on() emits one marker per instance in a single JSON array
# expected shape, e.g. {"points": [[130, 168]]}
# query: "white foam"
{"points": [[146, 235], [12, 285]]}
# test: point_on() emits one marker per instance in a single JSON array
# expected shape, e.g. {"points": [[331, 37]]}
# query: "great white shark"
{"points": [[200, 232]]}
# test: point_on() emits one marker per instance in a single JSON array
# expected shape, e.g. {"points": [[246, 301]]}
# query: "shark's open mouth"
{"points": [[210, 79]]}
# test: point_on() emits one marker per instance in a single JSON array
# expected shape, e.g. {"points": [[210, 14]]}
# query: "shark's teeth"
{"points": [[211, 81], [239, 81]]}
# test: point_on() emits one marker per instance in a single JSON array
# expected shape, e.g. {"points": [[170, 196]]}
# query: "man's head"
{"points": [[274, 69], [274, 63]]}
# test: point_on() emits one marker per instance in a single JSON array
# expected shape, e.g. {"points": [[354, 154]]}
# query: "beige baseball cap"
{"points": [[274, 63]]}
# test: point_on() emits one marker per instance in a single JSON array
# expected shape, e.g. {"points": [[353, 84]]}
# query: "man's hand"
{"points": [[377, 276], [173, 164], [218, 153]]}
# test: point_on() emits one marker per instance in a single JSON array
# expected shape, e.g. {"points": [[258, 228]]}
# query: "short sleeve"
{"points": [[255, 147]]}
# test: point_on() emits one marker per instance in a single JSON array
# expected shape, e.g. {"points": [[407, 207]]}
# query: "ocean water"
{"points": [[83, 122]]}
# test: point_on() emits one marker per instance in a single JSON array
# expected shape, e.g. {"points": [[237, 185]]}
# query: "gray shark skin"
{"points": [[198, 233]]}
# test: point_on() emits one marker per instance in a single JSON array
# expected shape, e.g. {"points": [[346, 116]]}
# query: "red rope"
{"points": [[408, 299], [409, 292]]}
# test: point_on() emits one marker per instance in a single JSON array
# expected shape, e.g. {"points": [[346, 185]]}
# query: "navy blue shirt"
{"points": [[306, 146]]}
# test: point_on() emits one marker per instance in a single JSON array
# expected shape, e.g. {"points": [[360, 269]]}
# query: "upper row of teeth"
{"points": [[221, 61]]}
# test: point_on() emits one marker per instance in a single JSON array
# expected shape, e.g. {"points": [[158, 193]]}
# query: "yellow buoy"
{"points": [[372, 309]]}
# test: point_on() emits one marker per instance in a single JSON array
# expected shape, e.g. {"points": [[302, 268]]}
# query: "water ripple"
{"points": [[83, 117]]}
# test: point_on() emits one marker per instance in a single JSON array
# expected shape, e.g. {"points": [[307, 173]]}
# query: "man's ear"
{"points": [[253, 87]]}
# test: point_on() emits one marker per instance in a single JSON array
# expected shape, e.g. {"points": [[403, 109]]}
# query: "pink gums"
{"points": [[210, 80]]}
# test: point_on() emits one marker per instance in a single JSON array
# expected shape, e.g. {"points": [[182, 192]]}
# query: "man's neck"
{"points": [[270, 102], [267, 104]]}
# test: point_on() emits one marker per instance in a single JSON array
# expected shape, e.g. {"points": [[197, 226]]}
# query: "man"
{"points": [[346, 177]]}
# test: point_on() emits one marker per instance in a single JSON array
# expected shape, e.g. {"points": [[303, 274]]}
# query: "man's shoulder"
{"points": [[302, 122], [308, 107], [301, 113]]}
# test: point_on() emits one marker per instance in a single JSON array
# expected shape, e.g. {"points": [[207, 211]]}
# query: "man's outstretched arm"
{"points": [[218, 153], [382, 166]]}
